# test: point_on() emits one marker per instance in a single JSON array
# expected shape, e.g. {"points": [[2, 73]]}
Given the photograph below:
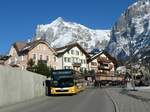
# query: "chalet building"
{"points": [[72, 56], [22, 52], [102, 63]]}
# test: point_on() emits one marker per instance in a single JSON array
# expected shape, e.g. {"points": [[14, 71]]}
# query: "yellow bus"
{"points": [[66, 81]]}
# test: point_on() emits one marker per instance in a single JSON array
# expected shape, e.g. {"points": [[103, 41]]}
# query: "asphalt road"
{"points": [[91, 100]]}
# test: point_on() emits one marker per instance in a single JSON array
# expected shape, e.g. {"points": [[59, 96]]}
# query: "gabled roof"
{"points": [[110, 57], [64, 49], [23, 47], [29, 46], [105, 53], [95, 56], [19, 45]]}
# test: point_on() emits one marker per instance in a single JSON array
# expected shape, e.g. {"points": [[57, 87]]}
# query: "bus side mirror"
{"points": [[47, 83], [75, 83]]}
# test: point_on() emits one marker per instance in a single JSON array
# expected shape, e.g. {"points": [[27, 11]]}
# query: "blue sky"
{"points": [[19, 18]]}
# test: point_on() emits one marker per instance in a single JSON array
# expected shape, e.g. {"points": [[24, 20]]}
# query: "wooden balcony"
{"points": [[75, 64], [105, 73], [104, 68]]}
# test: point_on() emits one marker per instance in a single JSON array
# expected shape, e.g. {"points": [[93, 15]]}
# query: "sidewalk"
{"points": [[130, 101], [143, 89]]}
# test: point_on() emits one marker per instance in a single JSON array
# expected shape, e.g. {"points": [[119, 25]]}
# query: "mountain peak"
{"points": [[57, 21]]}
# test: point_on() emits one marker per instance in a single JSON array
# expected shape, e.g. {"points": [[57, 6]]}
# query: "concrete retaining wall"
{"points": [[17, 85]]}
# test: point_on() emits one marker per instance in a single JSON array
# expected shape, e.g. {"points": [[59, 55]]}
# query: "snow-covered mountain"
{"points": [[59, 33], [130, 36]]}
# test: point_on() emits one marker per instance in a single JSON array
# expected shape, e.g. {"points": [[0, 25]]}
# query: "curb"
{"points": [[113, 101]]}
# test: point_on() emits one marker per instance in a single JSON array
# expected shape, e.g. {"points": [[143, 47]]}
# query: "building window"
{"points": [[106, 65], [81, 61], [72, 51], [54, 59], [47, 58], [82, 69], [67, 67], [41, 57], [65, 59], [77, 52], [94, 63], [73, 60], [84, 61], [69, 59], [76, 60], [34, 56]]}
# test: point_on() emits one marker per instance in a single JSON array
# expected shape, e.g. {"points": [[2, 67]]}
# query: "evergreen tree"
{"points": [[42, 68], [31, 65]]}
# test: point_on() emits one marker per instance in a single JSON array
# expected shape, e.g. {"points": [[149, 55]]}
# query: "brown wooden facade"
{"points": [[103, 64]]}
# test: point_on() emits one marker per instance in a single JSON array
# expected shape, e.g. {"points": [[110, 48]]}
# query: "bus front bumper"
{"points": [[67, 90]]}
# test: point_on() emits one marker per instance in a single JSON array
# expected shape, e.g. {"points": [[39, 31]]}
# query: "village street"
{"points": [[111, 99], [90, 100]]}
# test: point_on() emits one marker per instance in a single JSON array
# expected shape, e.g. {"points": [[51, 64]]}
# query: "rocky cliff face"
{"points": [[130, 36], [59, 33]]}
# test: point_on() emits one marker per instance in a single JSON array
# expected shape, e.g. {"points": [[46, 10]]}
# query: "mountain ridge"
{"points": [[131, 33], [59, 33]]}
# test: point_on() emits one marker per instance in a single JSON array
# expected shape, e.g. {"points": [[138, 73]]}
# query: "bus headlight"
{"points": [[52, 90], [72, 90]]}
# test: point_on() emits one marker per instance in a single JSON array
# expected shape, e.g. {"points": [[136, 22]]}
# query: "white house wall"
{"points": [[60, 63], [67, 55]]}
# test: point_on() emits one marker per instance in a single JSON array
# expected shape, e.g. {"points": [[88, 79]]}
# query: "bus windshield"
{"points": [[63, 82]]}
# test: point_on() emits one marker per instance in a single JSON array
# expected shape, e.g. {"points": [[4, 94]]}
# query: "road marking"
{"points": [[113, 101]]}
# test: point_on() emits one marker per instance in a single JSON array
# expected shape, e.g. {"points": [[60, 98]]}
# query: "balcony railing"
{"points": [[76, 64], [106, 73], [103, 68]]}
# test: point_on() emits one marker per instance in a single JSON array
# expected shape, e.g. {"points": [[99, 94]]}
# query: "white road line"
{"points": [[113, 100]]}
